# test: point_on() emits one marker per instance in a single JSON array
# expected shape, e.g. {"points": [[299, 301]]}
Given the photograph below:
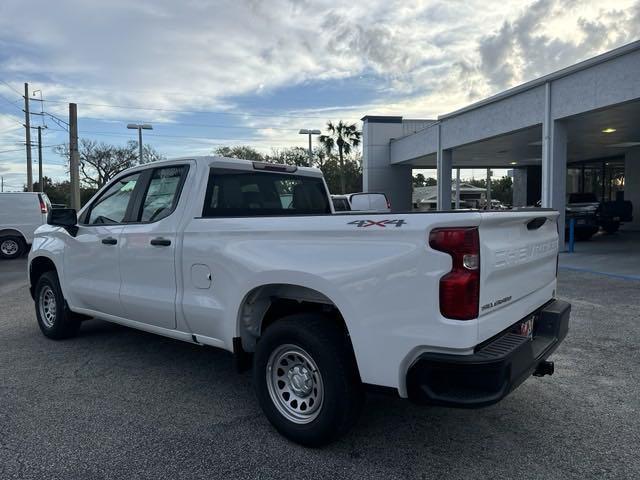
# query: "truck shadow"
{"points": [[390, 428]]}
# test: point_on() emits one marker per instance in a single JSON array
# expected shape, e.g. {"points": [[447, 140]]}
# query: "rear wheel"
{"points": [[306, 379], [12, 247], [54, 318]]}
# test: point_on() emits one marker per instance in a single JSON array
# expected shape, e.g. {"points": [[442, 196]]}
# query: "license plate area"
{"points": [[525, 327]]}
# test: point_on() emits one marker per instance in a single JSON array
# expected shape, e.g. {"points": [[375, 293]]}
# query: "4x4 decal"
{"points": [[380, 223]]}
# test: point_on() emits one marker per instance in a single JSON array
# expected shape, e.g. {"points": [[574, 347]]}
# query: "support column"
{"points": [[488, 183], [632, 185], [457, 188], [554, 172], [519, 187], [378, 174], [444, 180], [444, 161]]}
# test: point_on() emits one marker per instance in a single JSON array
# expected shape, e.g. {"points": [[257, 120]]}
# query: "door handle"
{"points": [[160, 242], [109, 241]]}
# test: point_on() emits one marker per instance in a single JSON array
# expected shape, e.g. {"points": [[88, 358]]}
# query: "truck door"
{"points": [[91, 257], [148, 249]]}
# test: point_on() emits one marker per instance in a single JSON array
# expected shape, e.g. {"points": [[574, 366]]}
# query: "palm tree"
{"points": [[344, 137]]}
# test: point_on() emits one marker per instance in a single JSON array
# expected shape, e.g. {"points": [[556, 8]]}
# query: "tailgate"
{"points": [[518, 255]]}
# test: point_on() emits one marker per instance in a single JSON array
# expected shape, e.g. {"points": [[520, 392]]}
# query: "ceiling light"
{"points": [[514, 163], [609, 130]]}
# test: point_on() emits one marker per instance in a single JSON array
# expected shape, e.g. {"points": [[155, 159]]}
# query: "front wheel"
{"points": [[306, 379], [54, 318]]}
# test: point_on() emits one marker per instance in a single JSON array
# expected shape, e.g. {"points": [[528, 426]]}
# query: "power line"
{"points": [[32, 146], [214, 112], [15, 90], [187, 137], [12, 103], [208, 125]]}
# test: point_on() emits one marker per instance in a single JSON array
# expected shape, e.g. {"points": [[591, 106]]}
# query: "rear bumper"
{"points": [[495, 369]]}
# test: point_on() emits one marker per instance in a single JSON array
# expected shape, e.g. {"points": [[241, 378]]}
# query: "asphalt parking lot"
{"points": [[118, 403]]}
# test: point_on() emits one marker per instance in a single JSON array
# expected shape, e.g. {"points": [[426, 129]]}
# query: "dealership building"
{"points": [[575, 130]]}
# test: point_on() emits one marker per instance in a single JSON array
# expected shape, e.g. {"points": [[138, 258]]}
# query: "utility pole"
{"points": [[74, 160], [40, 184], [1, 184], [27, 124]]}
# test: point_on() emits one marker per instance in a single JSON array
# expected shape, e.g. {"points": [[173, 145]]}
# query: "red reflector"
{"points": [[460, 288], [43, 205]]}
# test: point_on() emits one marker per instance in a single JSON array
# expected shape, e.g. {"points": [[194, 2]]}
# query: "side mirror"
{"points": [[66, 218]]}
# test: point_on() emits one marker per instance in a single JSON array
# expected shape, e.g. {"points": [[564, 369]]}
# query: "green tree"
{"points": [[350, 171], [239, 151], [59, 192], [291, 156], [502, 189], [342, 137]]}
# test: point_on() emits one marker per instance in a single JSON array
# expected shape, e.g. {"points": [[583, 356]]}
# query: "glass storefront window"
{"points": [[602, 178]]}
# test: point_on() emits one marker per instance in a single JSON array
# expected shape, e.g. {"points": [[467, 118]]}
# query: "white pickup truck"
{"points": [[446, 308]]}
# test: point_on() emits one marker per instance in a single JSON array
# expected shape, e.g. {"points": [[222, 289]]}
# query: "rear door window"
{"points": [[238, 193]]}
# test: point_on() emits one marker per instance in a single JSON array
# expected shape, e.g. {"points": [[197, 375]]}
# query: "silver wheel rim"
{"points": [[295, 384], [47, 306], [9, 247]]}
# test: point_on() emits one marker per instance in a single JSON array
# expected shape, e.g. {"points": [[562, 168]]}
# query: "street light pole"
{"points": [[140, 127], [305, 131]]}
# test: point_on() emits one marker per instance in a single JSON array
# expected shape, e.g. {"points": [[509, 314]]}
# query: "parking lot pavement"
{"points": [[13, 273], [118, 403]]}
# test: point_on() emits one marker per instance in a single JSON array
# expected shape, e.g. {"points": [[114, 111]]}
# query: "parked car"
{"points": [[583, 209], [443, 308], [361, 202], [590, 215], [21, 213]]}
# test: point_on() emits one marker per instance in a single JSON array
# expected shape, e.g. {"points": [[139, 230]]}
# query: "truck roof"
{"points": [[236, 163]]}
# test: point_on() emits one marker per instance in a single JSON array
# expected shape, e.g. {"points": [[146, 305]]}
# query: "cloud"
{"points": [[550, 34], [420, 58]]}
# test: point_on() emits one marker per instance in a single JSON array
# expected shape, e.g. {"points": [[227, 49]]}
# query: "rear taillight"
{"points": [[460, 288], [43, 205]]}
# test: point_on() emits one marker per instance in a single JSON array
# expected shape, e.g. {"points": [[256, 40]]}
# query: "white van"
{"points": [[20, 214]]}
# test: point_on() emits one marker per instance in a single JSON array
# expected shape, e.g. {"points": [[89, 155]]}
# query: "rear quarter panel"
{"points": [[382, 277]]}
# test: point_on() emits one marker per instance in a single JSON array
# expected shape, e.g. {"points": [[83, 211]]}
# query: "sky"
{"points": [[250, 72]]}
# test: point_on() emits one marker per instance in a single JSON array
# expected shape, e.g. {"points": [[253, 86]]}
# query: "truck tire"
{"points": [[306, 379], [12, 247], [54, 317]]}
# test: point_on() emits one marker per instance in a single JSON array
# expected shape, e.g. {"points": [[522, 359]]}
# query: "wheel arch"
{"points": [[12, 232], [37, 267], [264, 304]]}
